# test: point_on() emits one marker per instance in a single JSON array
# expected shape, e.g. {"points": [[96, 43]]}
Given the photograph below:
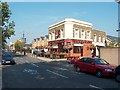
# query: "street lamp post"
{"points": [[51, 51], [118, 30], [118, 36], [24, 43], [118, 1]]}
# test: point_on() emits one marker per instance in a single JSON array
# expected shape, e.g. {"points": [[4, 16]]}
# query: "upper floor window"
{"points": [[76, 33], [99, 39], [95, 38], [88, 34], [103, 39], [57, 34], [62, 33], [52, 36], [83, 34]]}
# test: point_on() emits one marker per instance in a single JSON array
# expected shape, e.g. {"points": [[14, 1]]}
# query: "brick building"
{"points": [[74, 37], [40, 43]]}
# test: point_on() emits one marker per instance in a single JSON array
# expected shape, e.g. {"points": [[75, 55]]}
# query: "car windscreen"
{"points": [[101, 62], [5, 54]]}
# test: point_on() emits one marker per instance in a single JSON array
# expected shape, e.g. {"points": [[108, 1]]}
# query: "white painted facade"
{"points": [[98, 43], [68, 30]]}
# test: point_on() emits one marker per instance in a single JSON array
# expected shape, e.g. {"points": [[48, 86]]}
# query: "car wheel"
{"points": [[69, 61], [77, 69], [99, 73], [117, 78], [13, 63]]}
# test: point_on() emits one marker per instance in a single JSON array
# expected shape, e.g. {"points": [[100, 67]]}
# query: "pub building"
{"points": [[74, 37]]}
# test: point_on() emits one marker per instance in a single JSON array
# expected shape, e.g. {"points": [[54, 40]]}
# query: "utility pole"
{"points": [[118, 1], [24, 42], [118, 30]]}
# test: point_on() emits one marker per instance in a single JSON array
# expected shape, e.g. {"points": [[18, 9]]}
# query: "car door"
{"points": [[83, 64], [90, 65]]}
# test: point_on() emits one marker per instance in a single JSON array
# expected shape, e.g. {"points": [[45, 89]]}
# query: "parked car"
{"points": [[117, 73], [96, 66], [72, 59], [35, 52], [7, 58]]}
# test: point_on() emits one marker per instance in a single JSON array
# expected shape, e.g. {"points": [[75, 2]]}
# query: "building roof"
{"points": [[46, 36], [42, 38], [98, 30], [34, 39], [38, 39], [72, 20]]}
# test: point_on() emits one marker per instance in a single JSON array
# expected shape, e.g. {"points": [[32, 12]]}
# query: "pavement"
{"points": [[46, 59]]}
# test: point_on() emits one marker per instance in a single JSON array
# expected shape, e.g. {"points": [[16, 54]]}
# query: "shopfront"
{"points": [[71, 47]]}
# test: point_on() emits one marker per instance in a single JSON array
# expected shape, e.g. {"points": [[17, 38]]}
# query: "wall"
{"points": [[97, 32], [111, 55], [86, 50], [68, 30]]}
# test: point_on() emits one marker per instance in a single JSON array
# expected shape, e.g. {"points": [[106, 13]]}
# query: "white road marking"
{"points": [[30, 71], [58, 68], [27, 61], [56, 73], [35, 65], [15, 57], [21, 58], [96, 87]]}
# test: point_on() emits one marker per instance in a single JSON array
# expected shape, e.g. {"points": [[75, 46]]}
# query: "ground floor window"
{"points": [[77, 49], [53, 50]]}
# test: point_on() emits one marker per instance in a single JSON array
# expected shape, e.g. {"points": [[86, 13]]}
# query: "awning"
{"points": [[78, 44], [54, 46], [99, 44]]}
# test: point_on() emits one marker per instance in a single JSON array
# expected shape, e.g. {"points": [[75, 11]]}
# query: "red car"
{"points": [[96, 66]]}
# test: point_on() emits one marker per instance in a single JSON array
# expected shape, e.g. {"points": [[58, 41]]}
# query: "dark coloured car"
{"points": [[117, 73], [7, 58], [96, 66]]}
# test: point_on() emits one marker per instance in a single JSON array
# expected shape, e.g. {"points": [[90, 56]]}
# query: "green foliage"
{"points": [[114, 44], [7, 26], [18, 45], [59, 55], [28, 50]]}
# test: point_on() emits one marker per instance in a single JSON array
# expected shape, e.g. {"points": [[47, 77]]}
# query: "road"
{"points": [[34, 73]]}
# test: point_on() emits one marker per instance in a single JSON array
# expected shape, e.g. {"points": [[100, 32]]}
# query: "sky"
{"points": [[60, 0], [33, 18]]}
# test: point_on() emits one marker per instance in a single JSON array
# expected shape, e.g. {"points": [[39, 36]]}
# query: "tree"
{"points": [[7, 26], [112, 44], [18, 45]]}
